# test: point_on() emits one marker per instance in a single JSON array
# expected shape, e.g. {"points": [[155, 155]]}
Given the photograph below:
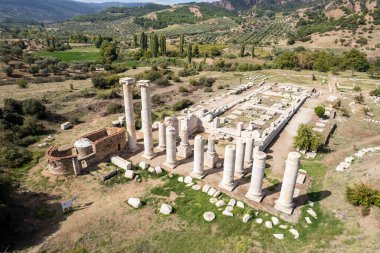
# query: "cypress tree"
{"points": [[189, 53], [242, 49], [181, 43], [134, 41], [155, 45], [253, 51], [163, 44], [151, 42], [143, 41]]}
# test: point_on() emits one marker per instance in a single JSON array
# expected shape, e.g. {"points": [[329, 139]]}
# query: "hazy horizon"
{"points": [[144, 1]]}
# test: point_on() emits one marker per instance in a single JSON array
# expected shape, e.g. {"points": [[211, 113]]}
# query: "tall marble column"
{"points": [[285, 201], [171, 154], [227, 182], [146, 120], [127, 83], [211, 158], [248, 152], [198, 165], [162, 136], [255, 192], [239, 160]]}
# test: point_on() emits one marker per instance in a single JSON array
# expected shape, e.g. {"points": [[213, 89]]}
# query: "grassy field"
{"points": [[75, 54]]}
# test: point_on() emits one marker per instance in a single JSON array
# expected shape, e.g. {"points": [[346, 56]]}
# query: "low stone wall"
{"points": [[60, 162]]}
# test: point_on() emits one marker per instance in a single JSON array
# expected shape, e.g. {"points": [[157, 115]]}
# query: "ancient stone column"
{"points": [[239, 128], [211, 158], [173, 122], [255, 192], [285, 201], [216, 122], [184, 149], [248, 152], [127, 83], [198, 165], [171, 158], [239, 160], [146, 120], [227, 182], [161, 136]]}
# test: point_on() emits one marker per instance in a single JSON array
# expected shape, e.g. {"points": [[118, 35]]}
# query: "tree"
{"points": [[306, 59], [181, 43], [196, 50], [242, 49], [319, 111], [163, 45], [143, 41], [98, 41], [108, 52], [307, 139], [189, 53], [355, 60], [151, 42], [155, 45], [33, 107], [28, 59], [134, 41], [100, 82], [323, 61], [287, 60], [253, 51]]}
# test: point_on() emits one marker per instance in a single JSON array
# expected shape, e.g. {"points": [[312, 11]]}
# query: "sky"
{"points": [[144, 1]]}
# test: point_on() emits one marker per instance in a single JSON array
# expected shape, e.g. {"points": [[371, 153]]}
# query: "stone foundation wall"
{"points": [[93, 136], [60, 161], [112, 144]]}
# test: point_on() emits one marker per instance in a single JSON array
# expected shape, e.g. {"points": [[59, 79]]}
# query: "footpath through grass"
{"points": [[74, 54]]}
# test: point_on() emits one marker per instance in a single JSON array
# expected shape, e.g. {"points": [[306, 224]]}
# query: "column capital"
{"points": [[144, 83], [127, 81]]}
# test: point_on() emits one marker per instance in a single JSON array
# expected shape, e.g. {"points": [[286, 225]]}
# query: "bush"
{"points": [[319, 111], [359, 99], [33, 107], [177, 79], [182, 89], [357, 88], [183, 104], [12, 105], [375, 92], [114, 108], [22, 83], [108, 94], [208, 89], [363, 195], [13, 156], [220, 87], [8, 70], [162, 82], [307, 139], [100, 82]]}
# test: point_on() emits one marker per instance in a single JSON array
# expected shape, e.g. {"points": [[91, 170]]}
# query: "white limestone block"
{"points": [[66, 125], [120, 162], [283, 226], [275, 220], [308, 221], [232, 202], [220, 203], [205, 188], [151, 170], [217, 194], [268, 224], [134, 202], [312, 213], [158, 169], [279, 236], [190, 184], [180, 179], [246, 217], [229, 208], [259, 221], [166, 209], [301, 178], [213, 200], [143, 165], [211, 191], [294, 233], [188, 180], [129, 174], [209, 216], [227, 213], [240, 204], [196, 187]]}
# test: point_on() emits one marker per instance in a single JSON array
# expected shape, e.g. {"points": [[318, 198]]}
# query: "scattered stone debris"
{"points": [[129, 174], [188, 180], [295, 233], [209, 216], [143, 165], [213, 200], [275, 220], [220, 203], [312, 213], [232, 202], [308, 221], [158, 169], [259, 220], [166, 209], [205, 188], [134, 202], [240, 204], [180, 179], [268, 224], [196, 187], [246, 217], [283, 226], [228, 213], [66, 125], [279, 236]]}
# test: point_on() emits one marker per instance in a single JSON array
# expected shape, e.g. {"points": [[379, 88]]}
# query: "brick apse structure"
{"points": [[88, 150]]}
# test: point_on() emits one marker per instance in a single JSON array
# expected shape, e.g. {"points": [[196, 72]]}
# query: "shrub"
{"points": [[307, 139], [156, 99], [375, 92], [220, 87], [114, 108], [182, 89], [357, 88], [183, 104], [100, 82], [14, 156], [359, 99], [12, 105], [108, 94], [22, 83], [177, 79], [8, 70], [33, 107], [207, 89], [319, 111], [363, 195], [162, 82]]}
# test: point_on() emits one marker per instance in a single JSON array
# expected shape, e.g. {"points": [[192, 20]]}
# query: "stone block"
{"points": [[129, 174], [301, 178], [120, 162], [66, 125]]}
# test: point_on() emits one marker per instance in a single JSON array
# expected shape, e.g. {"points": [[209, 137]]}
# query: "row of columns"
{"points": [[235, 158]]}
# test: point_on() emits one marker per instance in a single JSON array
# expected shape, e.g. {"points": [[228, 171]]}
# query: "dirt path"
{"points": [[284, 142]]}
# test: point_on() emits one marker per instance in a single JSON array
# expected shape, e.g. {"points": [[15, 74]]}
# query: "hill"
{"points": [[31, 11]]}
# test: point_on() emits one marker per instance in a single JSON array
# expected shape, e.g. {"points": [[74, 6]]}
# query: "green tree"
{"points": [[108, 51], [156, 45], [307, 139], [196, 50], [323, 61], [189, 53], [151, 42], [181, 43], [319, 111], [287, 60], [143, 41], [163, 45], [242, 50], [355, 60], [8, 70], [98, 41], [33, 107], [22, 83]]}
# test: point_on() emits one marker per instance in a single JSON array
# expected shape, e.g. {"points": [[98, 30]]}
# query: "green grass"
{"points": [[75, 54]]}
